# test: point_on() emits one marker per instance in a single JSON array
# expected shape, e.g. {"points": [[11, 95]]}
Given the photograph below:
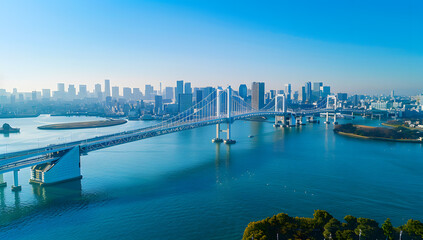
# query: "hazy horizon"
{"points": [[369, 48]]}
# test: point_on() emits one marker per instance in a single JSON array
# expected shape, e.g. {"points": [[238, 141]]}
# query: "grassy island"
{"points": [[79, 125], [400, 134], [324, 226]]}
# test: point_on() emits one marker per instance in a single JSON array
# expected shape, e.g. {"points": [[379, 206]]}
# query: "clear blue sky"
{"points": [[354, 46]]}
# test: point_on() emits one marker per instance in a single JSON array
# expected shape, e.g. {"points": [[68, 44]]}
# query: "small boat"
{"points": [[250, 136]]}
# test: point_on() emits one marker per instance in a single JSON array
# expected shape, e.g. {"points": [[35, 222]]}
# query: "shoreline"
{"points": [[82, 125], [378, 138]]}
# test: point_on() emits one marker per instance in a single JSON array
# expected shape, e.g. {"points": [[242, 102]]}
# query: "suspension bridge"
{"points": [[61, 162]]}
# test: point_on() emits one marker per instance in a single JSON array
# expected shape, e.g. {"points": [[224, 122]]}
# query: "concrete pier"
{"points": [[2, 182], [16, 187]]}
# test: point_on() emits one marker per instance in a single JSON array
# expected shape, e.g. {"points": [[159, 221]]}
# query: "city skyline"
{"points": [[139, 43]]}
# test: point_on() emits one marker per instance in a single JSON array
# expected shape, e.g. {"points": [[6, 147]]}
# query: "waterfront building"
{"points": [[257, 95]]}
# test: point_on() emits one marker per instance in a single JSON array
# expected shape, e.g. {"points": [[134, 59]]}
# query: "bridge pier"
{"points": [[334, 119], [2, 182], [66, 168], [217, 139], [327, 118], [16, 187], [293, 121]]}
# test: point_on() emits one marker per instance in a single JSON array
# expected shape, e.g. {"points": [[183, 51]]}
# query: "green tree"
{"points": [[388, 229], [331, 228], [321, 217]]}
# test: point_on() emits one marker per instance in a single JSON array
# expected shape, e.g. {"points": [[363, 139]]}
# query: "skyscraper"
{"points": [[115, 92], [46, 93], [257, 95], [149, 92], [97, 91], [288, 91], [169, 93], [308, 92], [316, 90], [158, 104], [184, 101], [188, 89], [71, 92], [82, 91], [136, 94], [243, 91], [127, 93], [325, 91], [179, 89], [107, 88]]}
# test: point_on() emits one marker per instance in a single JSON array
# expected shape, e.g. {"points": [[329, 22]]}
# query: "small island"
{"points": [[398, 134], [325, 226], [6, 129], [80, 125]]}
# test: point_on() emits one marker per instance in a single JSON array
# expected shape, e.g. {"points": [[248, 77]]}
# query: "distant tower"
{"points": [[257, 95], [107, 88]]}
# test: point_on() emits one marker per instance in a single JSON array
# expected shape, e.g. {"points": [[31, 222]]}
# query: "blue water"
{"points": [[182, 186]]}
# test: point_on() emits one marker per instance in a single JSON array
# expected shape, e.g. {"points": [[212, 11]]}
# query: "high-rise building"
{"points": [[257, 95], [198, 95], [115, 92], [158, 104], [46, 93], [316, 94], [342, 96], [149, 92], [392, 94], [61, 87], [136, 94], [302, 94], [243, 91], [71, 91], [288, 91], [184, 101], [169, 93], [179, 89], [325, 91], [107, 88], [82, 91], [188, 89], [34, 95], [308, 92], [60, 94], [127, 93], [97, 91]]}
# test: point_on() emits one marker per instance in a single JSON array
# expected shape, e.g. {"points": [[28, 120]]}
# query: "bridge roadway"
{"points": [[27, 158]]}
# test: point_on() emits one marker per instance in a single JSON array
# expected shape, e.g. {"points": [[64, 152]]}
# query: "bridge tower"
{"points": [[280, 120], [66, 168], [328, 102], [228, 116]]}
